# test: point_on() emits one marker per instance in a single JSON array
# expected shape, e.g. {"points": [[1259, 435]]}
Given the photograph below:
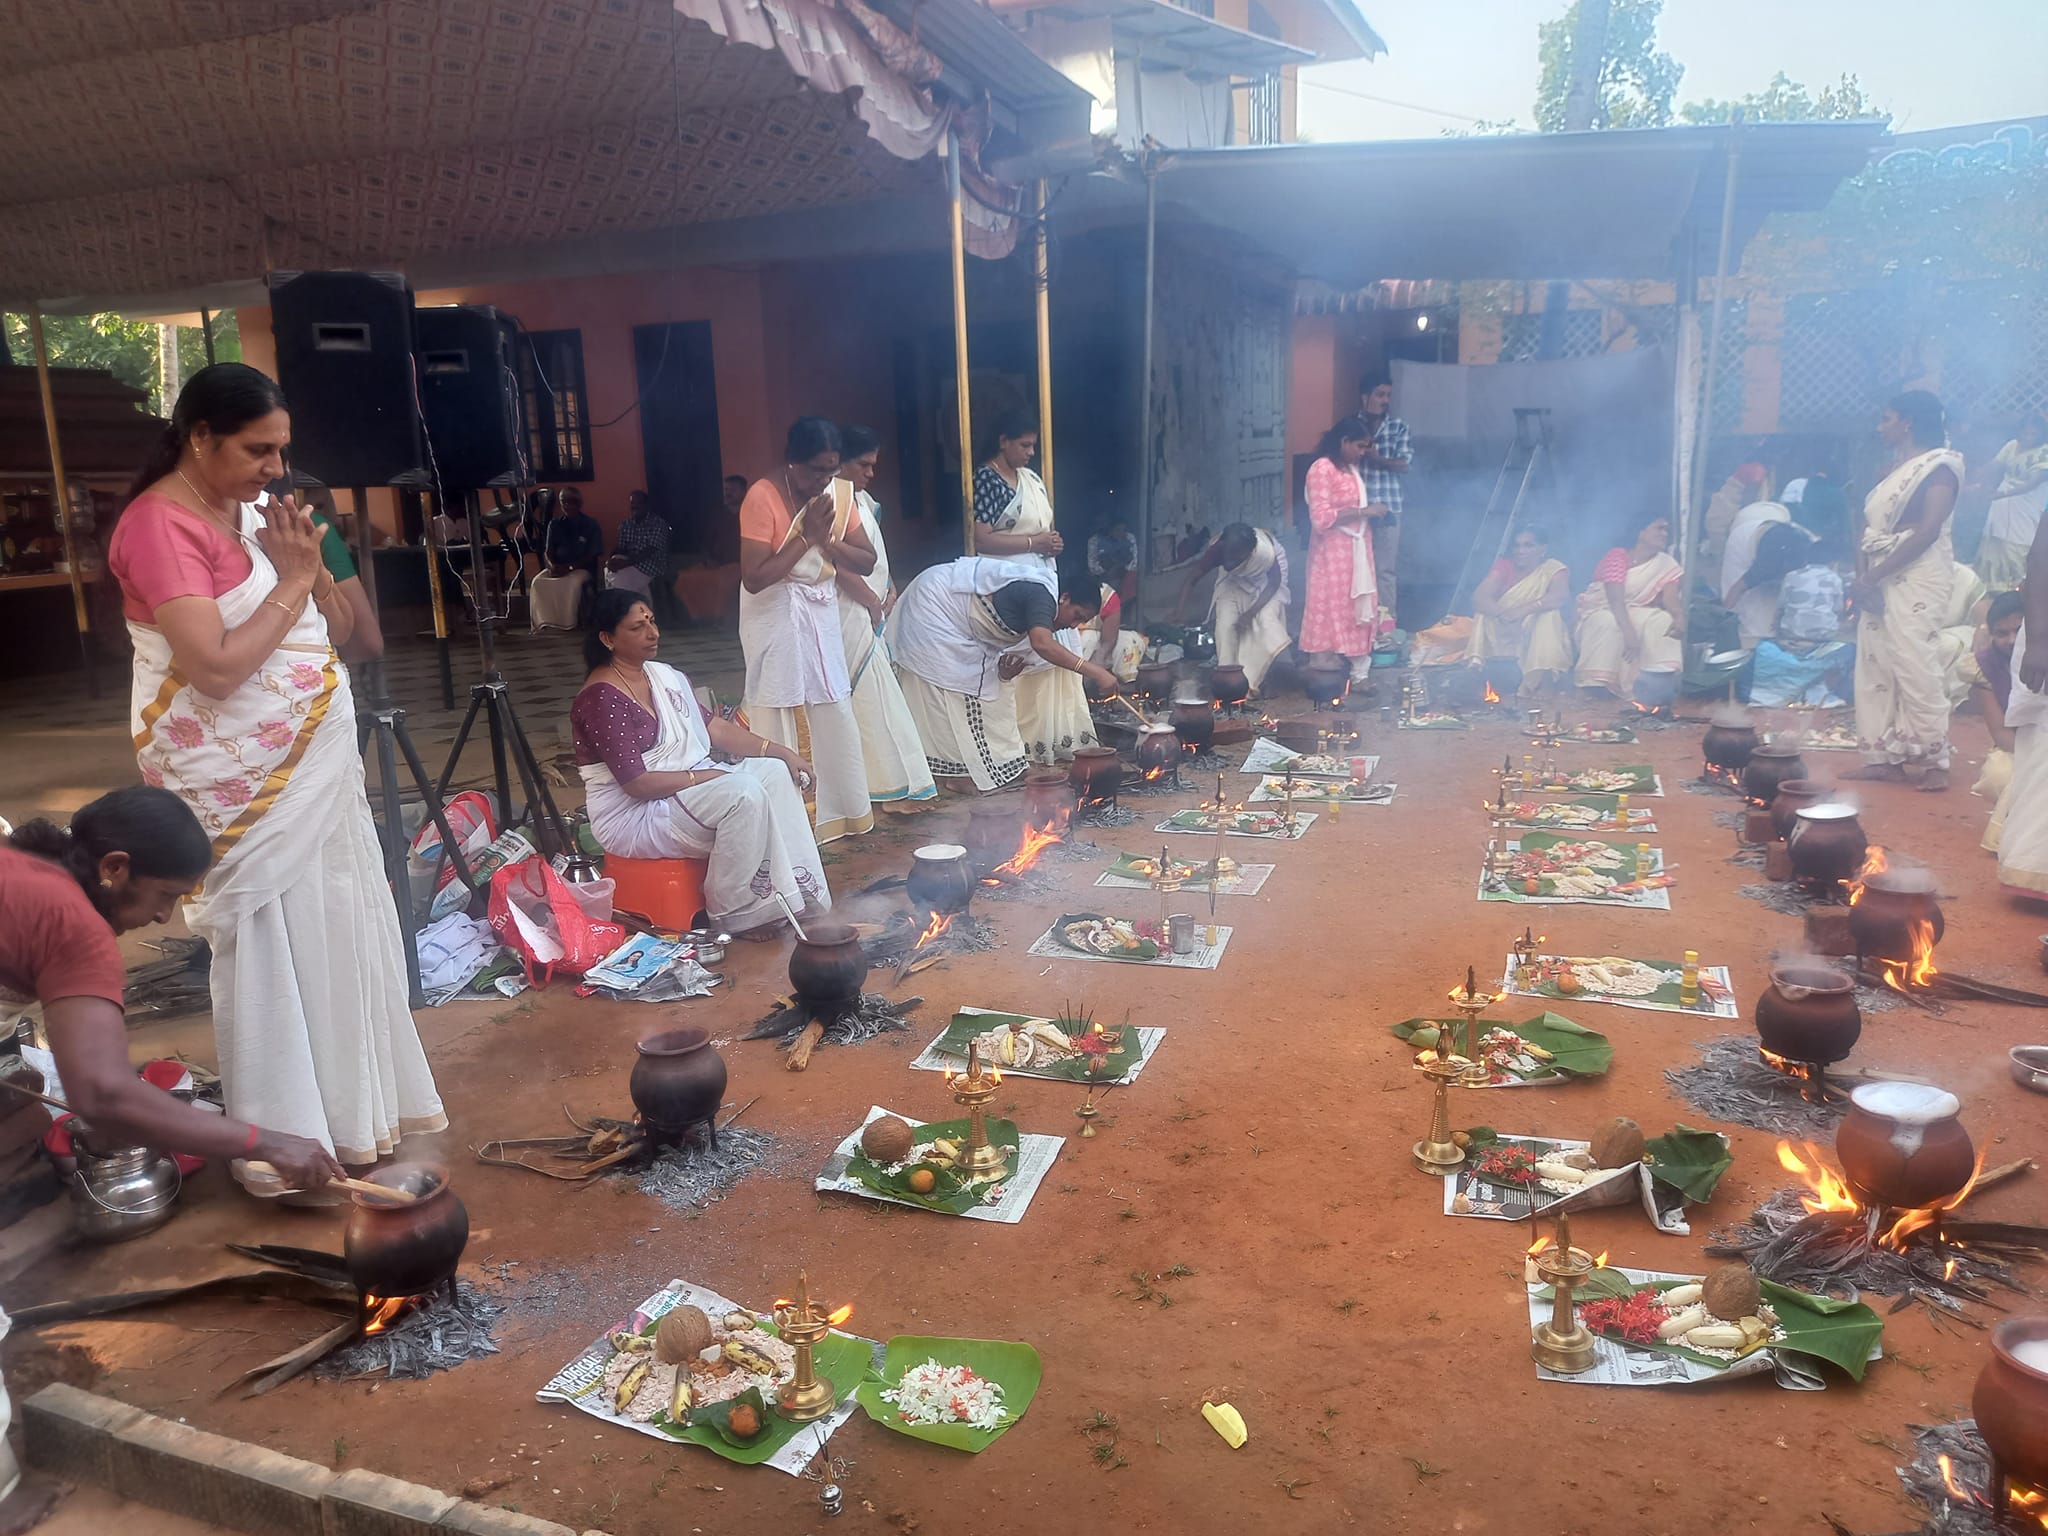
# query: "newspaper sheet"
{"points": [[1717, 990], [1268, 756], [1035, 1157], [1493, 887], [573, 1383], [1323, 792], [1202, 822], [1490, 1201], [1245, 882], [1210, 941]]}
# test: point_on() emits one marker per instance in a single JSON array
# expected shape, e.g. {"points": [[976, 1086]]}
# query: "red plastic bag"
{"points": [[536, 914]]}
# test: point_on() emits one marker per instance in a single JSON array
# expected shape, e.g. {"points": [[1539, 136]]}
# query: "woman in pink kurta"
{"points": [[1342, 615]]}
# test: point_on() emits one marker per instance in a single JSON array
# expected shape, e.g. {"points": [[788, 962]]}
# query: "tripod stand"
{"points": [[384, 721], [492, 700]]}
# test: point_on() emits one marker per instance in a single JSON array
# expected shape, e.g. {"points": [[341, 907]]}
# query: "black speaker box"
{"points": [[345, 361], [469, 397]]}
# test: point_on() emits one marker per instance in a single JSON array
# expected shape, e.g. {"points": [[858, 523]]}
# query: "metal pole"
{"points": [[206, 333], [61, 488], [1145, 382], [1041, 282], [1704, 424], [960, 347]]}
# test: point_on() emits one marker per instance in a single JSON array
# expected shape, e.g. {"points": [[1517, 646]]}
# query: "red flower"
{"points": [[1634, 1318]]}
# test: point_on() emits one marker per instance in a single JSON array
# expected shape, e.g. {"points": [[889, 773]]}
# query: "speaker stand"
{"points": [[510, 750]]}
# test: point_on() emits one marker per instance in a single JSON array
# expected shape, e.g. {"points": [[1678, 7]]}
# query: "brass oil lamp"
{"points": [[806, 1395], [1564, 1344], [972, 1091]]}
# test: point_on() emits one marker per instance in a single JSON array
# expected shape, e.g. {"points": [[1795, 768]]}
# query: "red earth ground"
{"points": [[1377, 1349]]}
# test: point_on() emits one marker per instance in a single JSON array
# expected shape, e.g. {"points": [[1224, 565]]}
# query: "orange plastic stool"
{"points": [[668, 892]]}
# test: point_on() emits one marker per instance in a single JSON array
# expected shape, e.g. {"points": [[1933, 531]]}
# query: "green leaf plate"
{"points": [[843, 1359], [1146, 950], [967, 1026], [1690, 1161], [1014, 1367], [1840, 1332], [1575, 1050], [950, 1193]]}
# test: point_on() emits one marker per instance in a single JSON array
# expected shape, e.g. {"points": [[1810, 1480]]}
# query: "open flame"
{"points": [[1874, 863], [1919, 971], [1799, 1069], [840, 1315], [380, 1312], [1828, 1191], [1948, 1476], [1492, 694], [940, 922], [1538, 1246], [1036, 841], [1600, 1259], [1151, 774]]}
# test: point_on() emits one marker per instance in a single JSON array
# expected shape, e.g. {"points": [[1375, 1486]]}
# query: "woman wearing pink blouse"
{"points": [[1343, 613]]}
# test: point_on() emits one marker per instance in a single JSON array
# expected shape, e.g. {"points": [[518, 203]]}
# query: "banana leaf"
{"points": [[1575, 1050], [950, 1193], [843, 1359], [1012, 1366], [1840, 1332], [1144, 949], [1690, 1161], [966, 1026]]}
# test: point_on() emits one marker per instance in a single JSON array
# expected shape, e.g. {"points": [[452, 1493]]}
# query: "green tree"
{"points": [[125, 348], [1638, 81], [1785, 100]]}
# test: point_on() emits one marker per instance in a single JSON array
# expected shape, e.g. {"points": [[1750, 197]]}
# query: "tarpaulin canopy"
{"points": [[1615, 204]]}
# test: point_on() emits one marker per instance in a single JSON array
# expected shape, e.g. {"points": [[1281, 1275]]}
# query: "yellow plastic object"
{"points": [[1227, 1422]]}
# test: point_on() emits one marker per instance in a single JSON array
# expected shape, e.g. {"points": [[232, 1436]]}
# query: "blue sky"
{"points": [[1930, 65]]}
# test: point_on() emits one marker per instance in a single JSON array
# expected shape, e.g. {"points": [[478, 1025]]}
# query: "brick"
{"points": [[1758, 828], [1777, 862], [1827, 931], [218, 1481], [359, 1503], [469, 1519], [70, 1433]]}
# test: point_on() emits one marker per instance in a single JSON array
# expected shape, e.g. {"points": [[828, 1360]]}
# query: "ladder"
{"points": [[1530, 456]]}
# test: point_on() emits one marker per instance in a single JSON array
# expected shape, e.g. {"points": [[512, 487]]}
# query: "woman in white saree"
{"points": [[793, 542], [897, 775], [1013, 521], [242, 708], [1903, 588], [1632, 618], [1518, 613], [1248, 606], [643, 746]]}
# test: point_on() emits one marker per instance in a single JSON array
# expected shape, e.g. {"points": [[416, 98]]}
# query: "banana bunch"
{"points": [[1026, 1045]]}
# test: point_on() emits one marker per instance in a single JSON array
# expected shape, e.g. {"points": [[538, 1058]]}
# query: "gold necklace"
{"points": [[205, 509], [626, 678]]}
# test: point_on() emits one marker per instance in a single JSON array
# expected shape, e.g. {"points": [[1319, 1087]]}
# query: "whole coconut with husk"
{"points": [[1617, 1143], [887, 1140], [683, 1334], [1731, 1292]]}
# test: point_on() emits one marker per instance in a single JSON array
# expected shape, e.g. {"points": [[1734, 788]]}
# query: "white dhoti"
{"points": [[1052, 708], [310, 1010], [748, 823], [1250, 633], [896, 769], [797, 691], [1902, 701], [553, 601], [966, 737]]}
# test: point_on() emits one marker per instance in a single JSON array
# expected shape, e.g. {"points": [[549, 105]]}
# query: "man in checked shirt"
{"points": [[1386, 461]]}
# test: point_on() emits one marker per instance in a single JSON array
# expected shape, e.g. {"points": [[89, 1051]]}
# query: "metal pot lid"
{"points": [[940, 852]]}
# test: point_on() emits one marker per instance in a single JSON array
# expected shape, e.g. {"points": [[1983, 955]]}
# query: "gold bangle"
{"points": [[290, 613]]}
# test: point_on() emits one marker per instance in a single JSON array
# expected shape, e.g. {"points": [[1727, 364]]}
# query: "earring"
{"points": [[106, 884]]}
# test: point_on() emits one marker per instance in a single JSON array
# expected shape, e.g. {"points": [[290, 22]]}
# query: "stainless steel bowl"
{"points": [[2029, 1067]]}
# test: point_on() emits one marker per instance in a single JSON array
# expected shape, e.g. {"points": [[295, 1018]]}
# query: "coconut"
{"points": [[1617, 1143], [683, 1334], [887, 1140], [1731, 1292]]}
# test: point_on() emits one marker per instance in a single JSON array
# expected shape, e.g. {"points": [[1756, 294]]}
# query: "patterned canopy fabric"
{"points": [[161, 145]]}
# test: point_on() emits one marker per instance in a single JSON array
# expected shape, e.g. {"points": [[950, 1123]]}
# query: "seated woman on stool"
{"points": [[643, 744]]}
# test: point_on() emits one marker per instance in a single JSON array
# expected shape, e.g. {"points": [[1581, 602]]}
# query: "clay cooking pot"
{"points": [[1096, 772], [1808, 1014], [1730, 738], [828, 966], [678, 1078], [1228, 684], [1158, 748], [1903, 1145], [1769, 766], [1324, 681], [995, 828], [1892, 901], [405, 1250], [1792, 794], [1194, 721], [1155, 679], [1826, 843], [1047, 796], [2011, 1399], [940, 879]]}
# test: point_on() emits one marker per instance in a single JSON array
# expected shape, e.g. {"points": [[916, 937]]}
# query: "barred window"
{"points": [[1521, 336], [557, 409]]}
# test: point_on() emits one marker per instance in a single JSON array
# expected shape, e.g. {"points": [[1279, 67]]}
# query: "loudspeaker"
{"points": [[345, 361], [469, 397]]}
